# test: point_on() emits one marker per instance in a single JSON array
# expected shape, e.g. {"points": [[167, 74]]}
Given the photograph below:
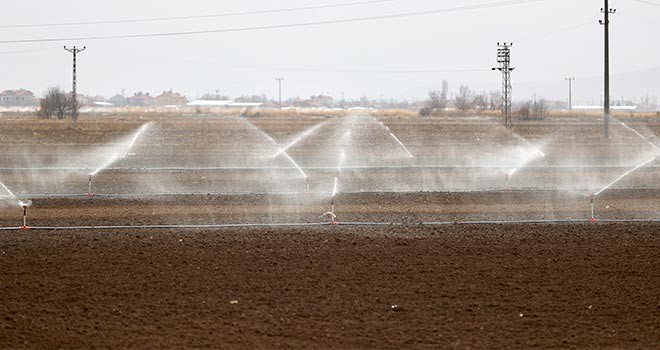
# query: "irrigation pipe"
{"points": [[321, 168], [206, 194], [322, 224]]}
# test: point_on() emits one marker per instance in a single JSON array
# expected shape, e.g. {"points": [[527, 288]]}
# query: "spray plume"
{"points": [[285, 154], [122, 153], [625, 175], [302, 136]]}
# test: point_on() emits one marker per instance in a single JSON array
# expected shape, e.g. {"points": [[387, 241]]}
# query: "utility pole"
{"points": [[570, 93], [607, 11], [504, 59], [279, 81], [74, 92]]}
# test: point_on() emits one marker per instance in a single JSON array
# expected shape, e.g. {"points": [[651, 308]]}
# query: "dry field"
{"points": [[401, 282]]}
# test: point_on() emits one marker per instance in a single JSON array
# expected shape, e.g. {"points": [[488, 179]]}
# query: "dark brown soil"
{"points": [[457, 287]]}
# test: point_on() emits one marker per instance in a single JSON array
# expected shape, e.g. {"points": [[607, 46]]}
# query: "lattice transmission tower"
{"points": [[504, 60]]}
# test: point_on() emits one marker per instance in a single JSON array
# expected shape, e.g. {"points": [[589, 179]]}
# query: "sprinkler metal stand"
{"points": [[593, 216], [25, 227], [89, 187], [506, 184]]}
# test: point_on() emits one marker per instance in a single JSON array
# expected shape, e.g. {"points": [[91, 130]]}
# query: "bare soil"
{"points": [[456, 287]]}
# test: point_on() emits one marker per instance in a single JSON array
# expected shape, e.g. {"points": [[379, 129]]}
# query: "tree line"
{"points": [[58, 104]]}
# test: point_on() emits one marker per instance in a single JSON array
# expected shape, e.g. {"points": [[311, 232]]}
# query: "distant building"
{"points": [[315, 102], [141, 99], [118, 100], [169, 98], [18, 98]]}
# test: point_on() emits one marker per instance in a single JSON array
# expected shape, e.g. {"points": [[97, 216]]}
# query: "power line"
{"points": [[647, 2], [178, 18], [281, 26], [557, 31], [296, 69]]}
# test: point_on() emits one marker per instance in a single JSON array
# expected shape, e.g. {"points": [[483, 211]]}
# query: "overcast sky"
{"points": [[553, 39]]}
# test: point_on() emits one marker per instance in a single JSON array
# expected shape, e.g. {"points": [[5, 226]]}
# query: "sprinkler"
{"points": [[332, 214], [593, 213], [25, 204], [89, 186], [506, 183]]}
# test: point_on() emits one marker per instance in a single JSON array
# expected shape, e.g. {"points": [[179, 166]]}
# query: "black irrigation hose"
{"points": [[322, 224]]}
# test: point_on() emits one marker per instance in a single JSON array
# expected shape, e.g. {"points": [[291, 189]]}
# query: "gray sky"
{"points": [[311, 58]]}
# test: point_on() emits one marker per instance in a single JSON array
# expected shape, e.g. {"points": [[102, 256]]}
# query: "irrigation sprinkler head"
{"points": [[26, 203], [331, 215]]}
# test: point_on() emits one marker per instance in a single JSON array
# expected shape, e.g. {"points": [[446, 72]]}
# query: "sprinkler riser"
{"points": [[89, 187]]}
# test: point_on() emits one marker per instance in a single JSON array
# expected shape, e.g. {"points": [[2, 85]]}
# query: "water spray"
{"points": [[283, 153], [334, 193], [342, 159], [11, 194], [608, 186], [625, 175], [117, 155], [640, 135], [302, 136], [402, 145]]}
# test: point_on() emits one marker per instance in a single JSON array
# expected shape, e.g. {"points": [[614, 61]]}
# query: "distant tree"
{"points": [[523, 111], [443, 95], [214, 97], [437, 100], [538, 109], [464, 100], [481, 102], [55, 103], [532, 110], [495, 100]]}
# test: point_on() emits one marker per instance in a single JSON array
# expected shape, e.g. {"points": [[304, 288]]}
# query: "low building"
{"points": [[169, 98], [18, 98], [118, 100], [315, 102], [141, 99]]}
